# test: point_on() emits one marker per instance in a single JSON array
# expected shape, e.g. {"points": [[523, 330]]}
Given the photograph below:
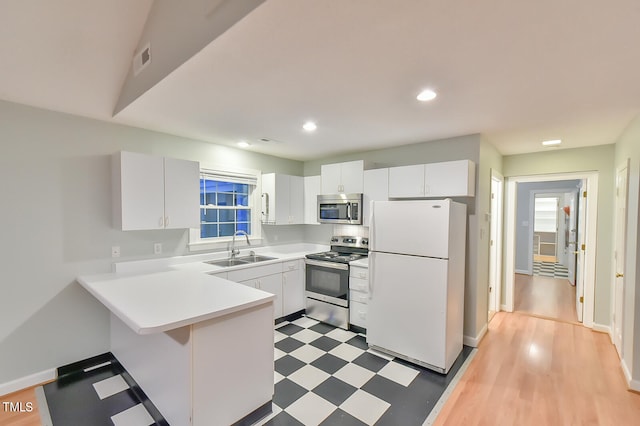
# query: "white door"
{"points": [[582, 210], [622, 177], [417, 227], [495, 244], [572, 249], [407, 306]]}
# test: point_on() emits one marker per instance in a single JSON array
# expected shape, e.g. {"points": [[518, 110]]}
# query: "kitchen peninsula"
{"points": [[200, 347]]}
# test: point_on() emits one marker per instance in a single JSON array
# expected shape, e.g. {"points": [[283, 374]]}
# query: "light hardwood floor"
{"points": [[546, 297], [535, 371], [8, 418]]}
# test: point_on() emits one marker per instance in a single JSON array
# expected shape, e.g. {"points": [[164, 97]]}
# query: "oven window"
{"points": [[328, 282]]}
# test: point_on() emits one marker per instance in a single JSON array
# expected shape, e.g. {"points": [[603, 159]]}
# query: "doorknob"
{"points": [[619, 275]]}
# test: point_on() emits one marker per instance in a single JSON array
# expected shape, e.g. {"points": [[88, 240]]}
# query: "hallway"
{"points": [[533, 371], [546, 297]]}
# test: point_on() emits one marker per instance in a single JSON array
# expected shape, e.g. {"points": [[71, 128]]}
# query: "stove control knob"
{"points": [[334, 240], [365, 241]]}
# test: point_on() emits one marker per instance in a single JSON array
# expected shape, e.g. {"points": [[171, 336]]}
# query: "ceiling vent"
{"points": [[142, 59], [269, 140]]}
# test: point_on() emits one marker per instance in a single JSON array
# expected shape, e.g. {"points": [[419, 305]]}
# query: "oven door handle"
{"points": [[332, 265]]}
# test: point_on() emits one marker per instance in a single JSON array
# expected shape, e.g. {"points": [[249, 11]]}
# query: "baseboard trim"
{"points": [[475, 341], [27, 381], [633, 385], [522, 271], [603, 329], [503, 308]]}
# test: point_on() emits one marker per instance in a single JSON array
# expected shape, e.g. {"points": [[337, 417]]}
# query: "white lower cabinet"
{"points": [[293, 295], [358, 295], [284, 279], [271, 284]]}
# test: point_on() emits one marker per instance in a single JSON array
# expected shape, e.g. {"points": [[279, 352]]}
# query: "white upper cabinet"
{"points": [[282, 199], [312, 186], [406, 181], [445, 179], [151, 192], [376, 188], [342, 177]]}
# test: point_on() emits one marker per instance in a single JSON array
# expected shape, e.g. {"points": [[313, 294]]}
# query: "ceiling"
{"points": [[517, 72]]}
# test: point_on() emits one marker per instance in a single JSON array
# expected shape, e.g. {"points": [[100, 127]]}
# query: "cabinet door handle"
{"points": [[161, 221]]}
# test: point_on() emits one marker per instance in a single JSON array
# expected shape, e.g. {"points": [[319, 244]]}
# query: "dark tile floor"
{"points": [[549, 269], [328, 376]]}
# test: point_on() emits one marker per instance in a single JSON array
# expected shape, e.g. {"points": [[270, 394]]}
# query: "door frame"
{"points": [[495, 251], [591, 187], [618, 340]]}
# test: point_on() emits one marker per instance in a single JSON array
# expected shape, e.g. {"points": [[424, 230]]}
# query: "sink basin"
{"points": [[243, 260], [255, 258], [227, 262]]}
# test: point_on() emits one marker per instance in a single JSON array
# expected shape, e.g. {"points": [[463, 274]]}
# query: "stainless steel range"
{"points": [[327, 279]]}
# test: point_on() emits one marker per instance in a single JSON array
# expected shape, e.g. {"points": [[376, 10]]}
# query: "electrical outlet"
{"points": [[115, 251], [157, 248]]}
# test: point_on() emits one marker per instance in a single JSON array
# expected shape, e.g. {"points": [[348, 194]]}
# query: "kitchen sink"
{"points": [[227, 262], [252, 258], [243, 260]]}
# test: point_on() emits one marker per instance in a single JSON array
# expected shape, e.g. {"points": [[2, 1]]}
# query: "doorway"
{"points": [[522, 267]]}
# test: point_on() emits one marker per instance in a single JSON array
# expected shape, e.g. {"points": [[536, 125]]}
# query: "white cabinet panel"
{"points": [[352, 177], [406, 181], [312, 186], [181, 194], [342, 177], [151, 192], [445, 179], [450, 179], [284, 200], [376, 188], [244, 274], [294, 299], [358, 314]]}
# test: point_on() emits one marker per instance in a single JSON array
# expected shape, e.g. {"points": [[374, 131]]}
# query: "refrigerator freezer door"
{"points": [[419, 228], [407, 307]]}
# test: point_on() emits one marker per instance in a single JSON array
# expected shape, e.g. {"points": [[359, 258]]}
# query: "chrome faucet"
{"points": [[234, 250]]}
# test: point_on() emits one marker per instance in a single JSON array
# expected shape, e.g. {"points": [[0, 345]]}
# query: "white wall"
{"points": [[56, 199], [628, 147]]}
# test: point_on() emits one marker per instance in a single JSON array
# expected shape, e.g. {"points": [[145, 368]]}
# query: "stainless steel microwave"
{"points": [[340, 208]]}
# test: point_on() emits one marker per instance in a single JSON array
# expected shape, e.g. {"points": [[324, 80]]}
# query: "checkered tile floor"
{"points": [[328, 376], [548, 269]]}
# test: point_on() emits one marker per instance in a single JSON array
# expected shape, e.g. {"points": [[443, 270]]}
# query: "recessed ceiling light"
{"points": [[552, 142], [309, 126], [243, 144], [426, 95]]}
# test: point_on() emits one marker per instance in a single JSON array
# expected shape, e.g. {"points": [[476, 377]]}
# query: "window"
{"points": [[226, 205]]}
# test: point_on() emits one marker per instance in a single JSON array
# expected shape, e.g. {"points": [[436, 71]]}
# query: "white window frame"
{"points": [[196, 243]]}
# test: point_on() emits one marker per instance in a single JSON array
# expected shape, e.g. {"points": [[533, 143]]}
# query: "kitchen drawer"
{"points": [[356, 296], [291, 265], [358, 284], [254, 272], [359, 272], [358, 314]]}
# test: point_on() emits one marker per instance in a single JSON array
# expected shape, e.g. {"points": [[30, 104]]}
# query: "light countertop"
{"points": [[162, 294], [161, 301]]}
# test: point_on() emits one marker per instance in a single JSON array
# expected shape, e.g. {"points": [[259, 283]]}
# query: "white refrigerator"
{"points": [[416, 280]]}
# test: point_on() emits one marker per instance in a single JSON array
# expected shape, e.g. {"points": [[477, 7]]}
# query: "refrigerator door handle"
{"points": [[372, 226], [372, 273]]}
